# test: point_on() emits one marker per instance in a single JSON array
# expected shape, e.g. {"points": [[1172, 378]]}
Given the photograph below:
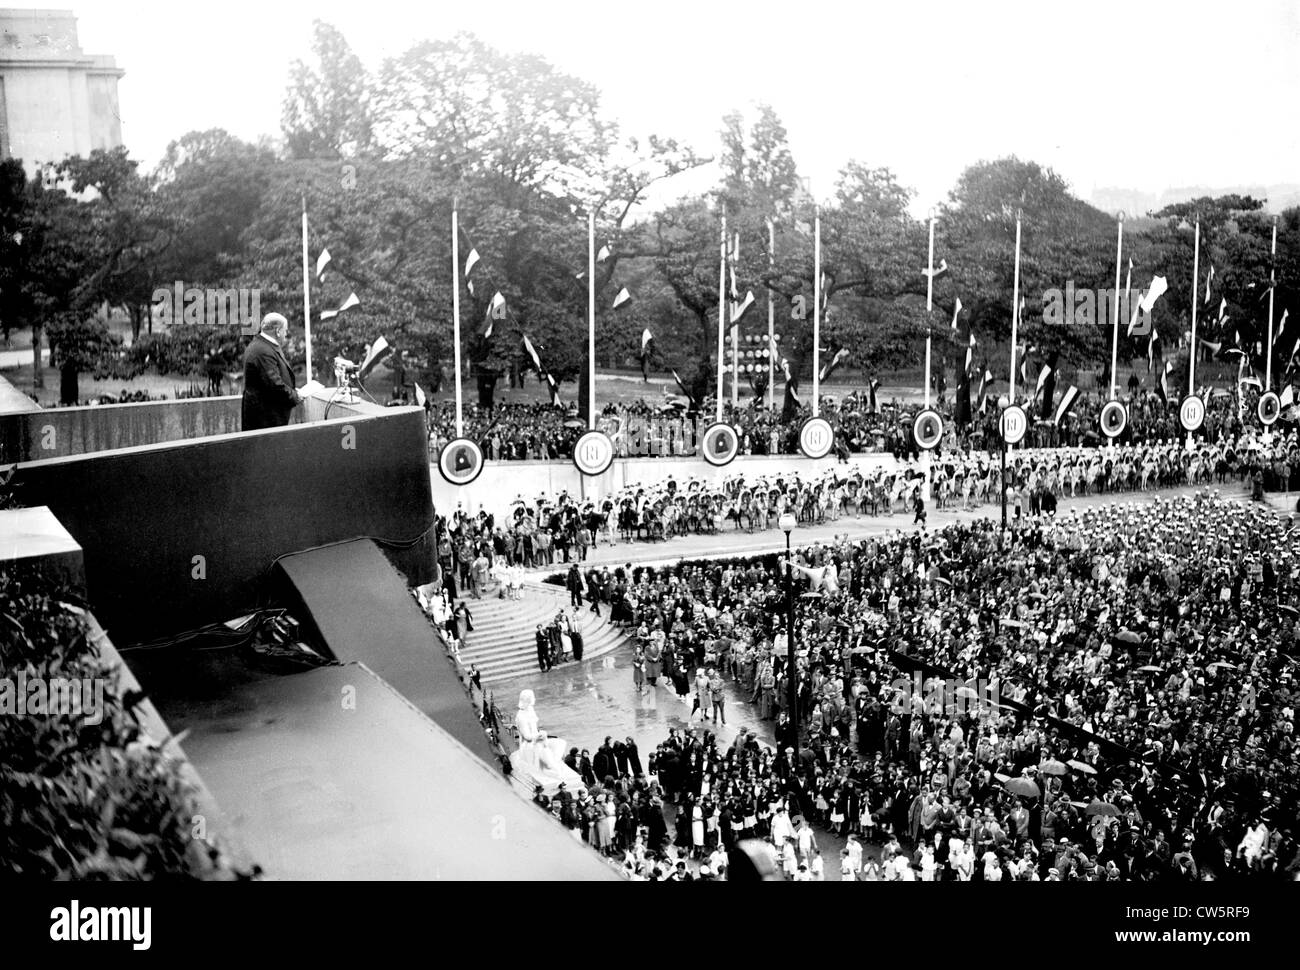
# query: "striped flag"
{"points": [[420, 398], [1281, 325], [1209, 278], [1151, 348], [1128, 282], [470, 260], [348, 304], [1164, 380], [378, 351], [1067, 403], [682, 387], [623, 298], [1287, 397], [738, 310], [647, 348], [956, 309], [872, 386], [1043, 375], [322, 261], [554, 388], [532, 355], [603, 254], [840, 357], [970, 351], [1157, 288], [988, 376]]}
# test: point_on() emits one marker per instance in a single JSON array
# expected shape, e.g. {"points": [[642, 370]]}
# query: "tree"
{"points": [[326, 111], [79, 342]]}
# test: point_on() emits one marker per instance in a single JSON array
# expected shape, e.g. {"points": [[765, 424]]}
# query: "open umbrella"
{"points": [[1022, 786], [1129, 636], [1053, 767], [1150, 669], [1098, 807], [1087, 769], [575, 423], [1001, 777], [1224, 664]]}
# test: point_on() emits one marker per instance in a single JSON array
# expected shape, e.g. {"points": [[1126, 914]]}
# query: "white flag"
{"points": [[738, 310], [623, 297], [955, 310], [348, 304], [322, 261], [1158, 286], [470, 260], [603, 254]]}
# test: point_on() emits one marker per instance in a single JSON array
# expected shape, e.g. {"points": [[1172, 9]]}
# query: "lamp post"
{"points": [[787, 522], [1003, 403]]}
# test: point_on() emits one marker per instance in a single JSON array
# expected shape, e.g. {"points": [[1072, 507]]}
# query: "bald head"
{"points": [[275, 325]]}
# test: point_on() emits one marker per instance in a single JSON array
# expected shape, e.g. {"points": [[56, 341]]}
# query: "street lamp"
{"points": [[1003, 403], [787, 522]]}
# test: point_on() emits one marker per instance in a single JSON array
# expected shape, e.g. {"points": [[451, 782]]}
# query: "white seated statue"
{"points": [[540, 758]]}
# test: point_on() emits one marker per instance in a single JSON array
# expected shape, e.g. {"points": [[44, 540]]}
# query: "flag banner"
{"points": [[970, 352], [322, 261], [647, 349], [1164, 381], [603, 254], [1223, 310], [487, 326], [469, 285], [554, 389], [840, 357], [348, 304], [872, 387], [1209, 278], [470, 260], [1047, 385], [956, 309], [984, 381], [1133, 321], [376, 352], [1157, 288], [623, 298], [738, 311], [1067, 403], [1151, 348], [682, 387], [1281, 325], [497, 308], [941, 268], [1128, 281], [791, 381], [1287, 397], [420, 398], [532, 355]]}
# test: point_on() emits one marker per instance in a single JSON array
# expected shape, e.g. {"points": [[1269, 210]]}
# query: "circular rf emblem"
{"points": [[1113, 419], [593, 453], [1269, 408], [816, 438], [927, 429], [1191, 412], [721, 444], [461, 461], [1014, 424]]}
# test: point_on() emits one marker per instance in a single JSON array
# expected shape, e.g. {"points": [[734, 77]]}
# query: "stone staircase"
{"points": [[503, 643]]}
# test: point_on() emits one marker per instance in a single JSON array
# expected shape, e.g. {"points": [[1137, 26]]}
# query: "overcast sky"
{"points": [[1138, 95]]}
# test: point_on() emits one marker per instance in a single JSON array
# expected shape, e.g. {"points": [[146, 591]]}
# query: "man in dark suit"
{"points": [[269, 392]]}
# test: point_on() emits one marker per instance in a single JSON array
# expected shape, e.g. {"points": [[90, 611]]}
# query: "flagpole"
{"points": [[771, 314], [591, 321], [1196, 277], [1272, 270], [817, 311], [1114, 340], [1015, 312], [929, 308], [735, 332], [306, 290], [455, 314], [722, 305]]}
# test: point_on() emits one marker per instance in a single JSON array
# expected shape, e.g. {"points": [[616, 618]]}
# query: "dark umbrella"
{"points": [[1098, 807], [1022, 786]]}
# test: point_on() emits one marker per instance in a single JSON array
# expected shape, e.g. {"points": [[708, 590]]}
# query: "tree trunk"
{"points": [[136, 321], [38, 370], [68, 385]]}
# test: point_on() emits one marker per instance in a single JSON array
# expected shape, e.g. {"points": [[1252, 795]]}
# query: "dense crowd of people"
{"points": [[1133, 675], [863, 424], [545, 530]]}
